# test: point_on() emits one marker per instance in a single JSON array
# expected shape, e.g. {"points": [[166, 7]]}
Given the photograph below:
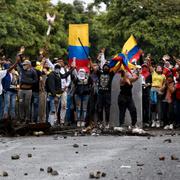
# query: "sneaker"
{"points": [[171, 127], [153, 124], [138, 130], [79, 124], [88, 129], [82, 124], [107, 126], [146, 125], [166, 127], [120, 129], [157, 124]]}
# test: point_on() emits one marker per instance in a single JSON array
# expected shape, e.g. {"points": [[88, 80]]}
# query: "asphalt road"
{"points": [[120, 157]]}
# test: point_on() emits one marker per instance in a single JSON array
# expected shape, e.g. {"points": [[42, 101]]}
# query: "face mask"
{"points": [[106, 70], [81, 75], [25, 67], [57, 71]]}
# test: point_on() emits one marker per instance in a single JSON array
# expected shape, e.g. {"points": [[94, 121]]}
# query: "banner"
{"points": [[79, 33]]}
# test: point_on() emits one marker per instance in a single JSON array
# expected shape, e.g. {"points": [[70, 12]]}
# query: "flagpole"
{"points": [[84, 49]]}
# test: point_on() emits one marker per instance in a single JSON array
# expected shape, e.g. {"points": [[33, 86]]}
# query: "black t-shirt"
{"points": [[126, 90]]}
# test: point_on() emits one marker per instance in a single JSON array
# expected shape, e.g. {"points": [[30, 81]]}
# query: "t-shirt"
{"points": [[2, 75], [157, 79]]}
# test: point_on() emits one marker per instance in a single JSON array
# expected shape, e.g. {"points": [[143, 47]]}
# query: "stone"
{"points": [[54, 173], [34, 148], [55, 137], [25, 174], [4, 174], [173, 157], [98, 174], [77, 152], [15, 157], [85, 145], [65, 137], [103, 174], [167, 140], [49, 170], [159, 173], [161, 158], [91, 175], [140, 164], [41, 169], [75, 145], [29, 155]]}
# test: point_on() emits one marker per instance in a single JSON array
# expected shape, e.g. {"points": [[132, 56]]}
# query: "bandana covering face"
{"points": [[81, 74]]}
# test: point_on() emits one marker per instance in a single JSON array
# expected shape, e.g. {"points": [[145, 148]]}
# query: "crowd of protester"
{"points": [[61, 94]]}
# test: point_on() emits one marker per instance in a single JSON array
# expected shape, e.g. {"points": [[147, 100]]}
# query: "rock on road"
{"points": [[120, 157]]}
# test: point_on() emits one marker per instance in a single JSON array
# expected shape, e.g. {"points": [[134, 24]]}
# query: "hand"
{"points": [[22, 49], [56, 99], [18, 59]]}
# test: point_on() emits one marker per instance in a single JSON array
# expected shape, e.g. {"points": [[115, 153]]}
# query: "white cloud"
{"points": [[103, 6]]}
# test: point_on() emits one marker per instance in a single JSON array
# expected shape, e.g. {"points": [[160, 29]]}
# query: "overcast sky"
{"points": [[103, 7], [71, 1]]}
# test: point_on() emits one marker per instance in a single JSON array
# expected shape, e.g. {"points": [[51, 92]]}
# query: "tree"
{"points": [[154, 23]]}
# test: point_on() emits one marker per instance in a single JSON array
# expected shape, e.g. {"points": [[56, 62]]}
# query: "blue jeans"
{"points": [[35, 106], [81, 102], [51, 104], [68, 110], [1, 106], [10, 104]]}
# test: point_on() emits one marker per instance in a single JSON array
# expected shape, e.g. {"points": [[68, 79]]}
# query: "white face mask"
{"points": [[81, 75]]}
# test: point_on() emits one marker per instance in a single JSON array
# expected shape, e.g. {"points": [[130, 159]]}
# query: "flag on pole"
{"points": [[132, 50], [79, 44], [130, 53]]}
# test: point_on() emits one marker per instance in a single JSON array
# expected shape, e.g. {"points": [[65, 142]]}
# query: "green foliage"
{"points": [[155, 24]]}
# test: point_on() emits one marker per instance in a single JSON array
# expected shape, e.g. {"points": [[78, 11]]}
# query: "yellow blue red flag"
{"points": [[79, 44], [132, 50]]}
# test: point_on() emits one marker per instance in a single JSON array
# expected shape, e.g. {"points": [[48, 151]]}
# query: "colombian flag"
{"points": [[130, 53], [131, 50], [76, 32]]}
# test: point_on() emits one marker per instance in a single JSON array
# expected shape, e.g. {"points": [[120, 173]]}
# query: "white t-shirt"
{"points": [[65, 82], [2, 75]]}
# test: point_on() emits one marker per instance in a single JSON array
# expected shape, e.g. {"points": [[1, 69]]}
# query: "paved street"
{"points": [[120, 157]]}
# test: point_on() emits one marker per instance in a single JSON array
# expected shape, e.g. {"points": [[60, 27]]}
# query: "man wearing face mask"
{"points": [[104, 94], [54, 91], [28, 77]]}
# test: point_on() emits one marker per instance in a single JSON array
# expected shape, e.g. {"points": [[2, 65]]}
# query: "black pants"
{"points": [[168, 116], [126, 102], [146, 108], [104, 102]]}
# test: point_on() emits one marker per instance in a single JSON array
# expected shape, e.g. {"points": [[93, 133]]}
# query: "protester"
{"points": [[177, 99], [10, 83], [83, 84], [35, 93], [125, 100], [54, 91], [104, 95], [3, 73], [65, 82], [28, 77], [146, 87], [158, 83], [168, 103]]}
